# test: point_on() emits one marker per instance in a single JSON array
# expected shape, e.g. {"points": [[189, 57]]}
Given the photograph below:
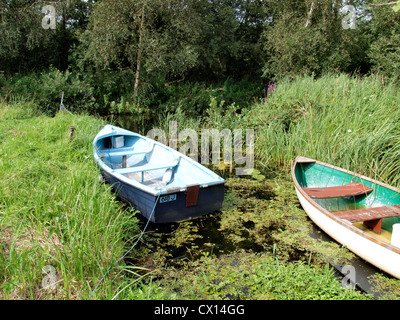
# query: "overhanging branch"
{"points": [[383, 4]]}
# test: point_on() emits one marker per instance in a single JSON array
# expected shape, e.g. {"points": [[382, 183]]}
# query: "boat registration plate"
{"points": [[168, 198]]}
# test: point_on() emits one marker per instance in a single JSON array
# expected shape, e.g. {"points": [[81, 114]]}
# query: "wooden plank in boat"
{"points": [[366, 214], [347, 190], [371, 217], [301, 159]]}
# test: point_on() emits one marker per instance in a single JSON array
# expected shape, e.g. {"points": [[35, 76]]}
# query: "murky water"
{"points": [[190, 240], [208, 240], [203, 237], [363, 269]]}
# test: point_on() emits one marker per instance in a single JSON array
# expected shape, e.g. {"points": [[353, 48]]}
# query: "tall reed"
{"points": [[342, 120]]}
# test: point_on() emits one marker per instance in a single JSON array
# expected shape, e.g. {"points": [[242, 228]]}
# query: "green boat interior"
{"points": [[369, 206]]}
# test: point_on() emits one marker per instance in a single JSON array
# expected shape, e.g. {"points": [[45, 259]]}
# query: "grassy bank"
{"points": [[54, 212]]}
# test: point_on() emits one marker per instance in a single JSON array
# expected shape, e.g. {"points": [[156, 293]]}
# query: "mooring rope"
{"points": [[62, 107], [141, 235]]}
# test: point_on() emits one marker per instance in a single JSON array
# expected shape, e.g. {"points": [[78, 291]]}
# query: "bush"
{"points": [[385, 56], [194, 98], [77, 95], [109, 92], [46, 88]]}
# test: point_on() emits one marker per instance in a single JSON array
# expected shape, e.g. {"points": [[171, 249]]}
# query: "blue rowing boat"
{"points": [[160, 182]]}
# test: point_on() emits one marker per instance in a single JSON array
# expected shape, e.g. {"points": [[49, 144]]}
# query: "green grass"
{"points": [[54, 211]]}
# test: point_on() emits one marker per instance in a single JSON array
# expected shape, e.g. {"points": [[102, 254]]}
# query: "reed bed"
{"points": [[343, 120]]}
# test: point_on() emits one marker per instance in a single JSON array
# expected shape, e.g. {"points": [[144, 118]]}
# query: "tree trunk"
{"points": [[309, 16], [139, 57]]}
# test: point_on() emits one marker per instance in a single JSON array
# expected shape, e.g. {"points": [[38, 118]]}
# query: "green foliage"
{"points": [[26, 45], [385, 287], [347, 121], [385, 55], [194, 97], [110, 93], [46, 88], [247, 276], [156, 55], [385, 41], [54, 211], [132, 48], [150, 38], [307, 37]]}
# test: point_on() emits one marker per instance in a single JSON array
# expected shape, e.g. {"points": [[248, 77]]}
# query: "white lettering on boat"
{"points": [[168, 198]]}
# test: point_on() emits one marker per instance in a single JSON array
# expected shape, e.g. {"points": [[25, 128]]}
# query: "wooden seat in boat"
{"points": [[348, 190], [148, 167], [371, 217], [127, 151]]}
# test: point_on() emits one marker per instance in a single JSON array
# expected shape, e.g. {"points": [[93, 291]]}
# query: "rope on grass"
{"points": [[63, 108], [141, 235]]}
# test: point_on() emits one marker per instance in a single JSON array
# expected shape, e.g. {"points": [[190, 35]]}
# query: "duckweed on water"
{"points": [[263, 251], [244, 275]]}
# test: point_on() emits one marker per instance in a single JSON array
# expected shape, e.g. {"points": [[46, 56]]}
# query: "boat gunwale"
{"points": [[301, 159], [217, 180]]}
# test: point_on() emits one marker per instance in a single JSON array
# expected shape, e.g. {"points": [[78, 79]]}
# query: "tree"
{"points": [[384, 52], [152, 39], [249, 18], [308, 37], [27, 44]]}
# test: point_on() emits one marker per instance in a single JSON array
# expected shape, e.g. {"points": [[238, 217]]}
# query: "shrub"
{"points": [[46, 88]]}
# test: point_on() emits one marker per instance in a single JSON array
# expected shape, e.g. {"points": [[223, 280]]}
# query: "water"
{"points": [[363, 269], [203, 238], [209, 241]]}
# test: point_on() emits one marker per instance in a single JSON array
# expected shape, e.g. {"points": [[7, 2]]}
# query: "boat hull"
{"points": [[171, 207], [163, 184], [379, 253]]}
